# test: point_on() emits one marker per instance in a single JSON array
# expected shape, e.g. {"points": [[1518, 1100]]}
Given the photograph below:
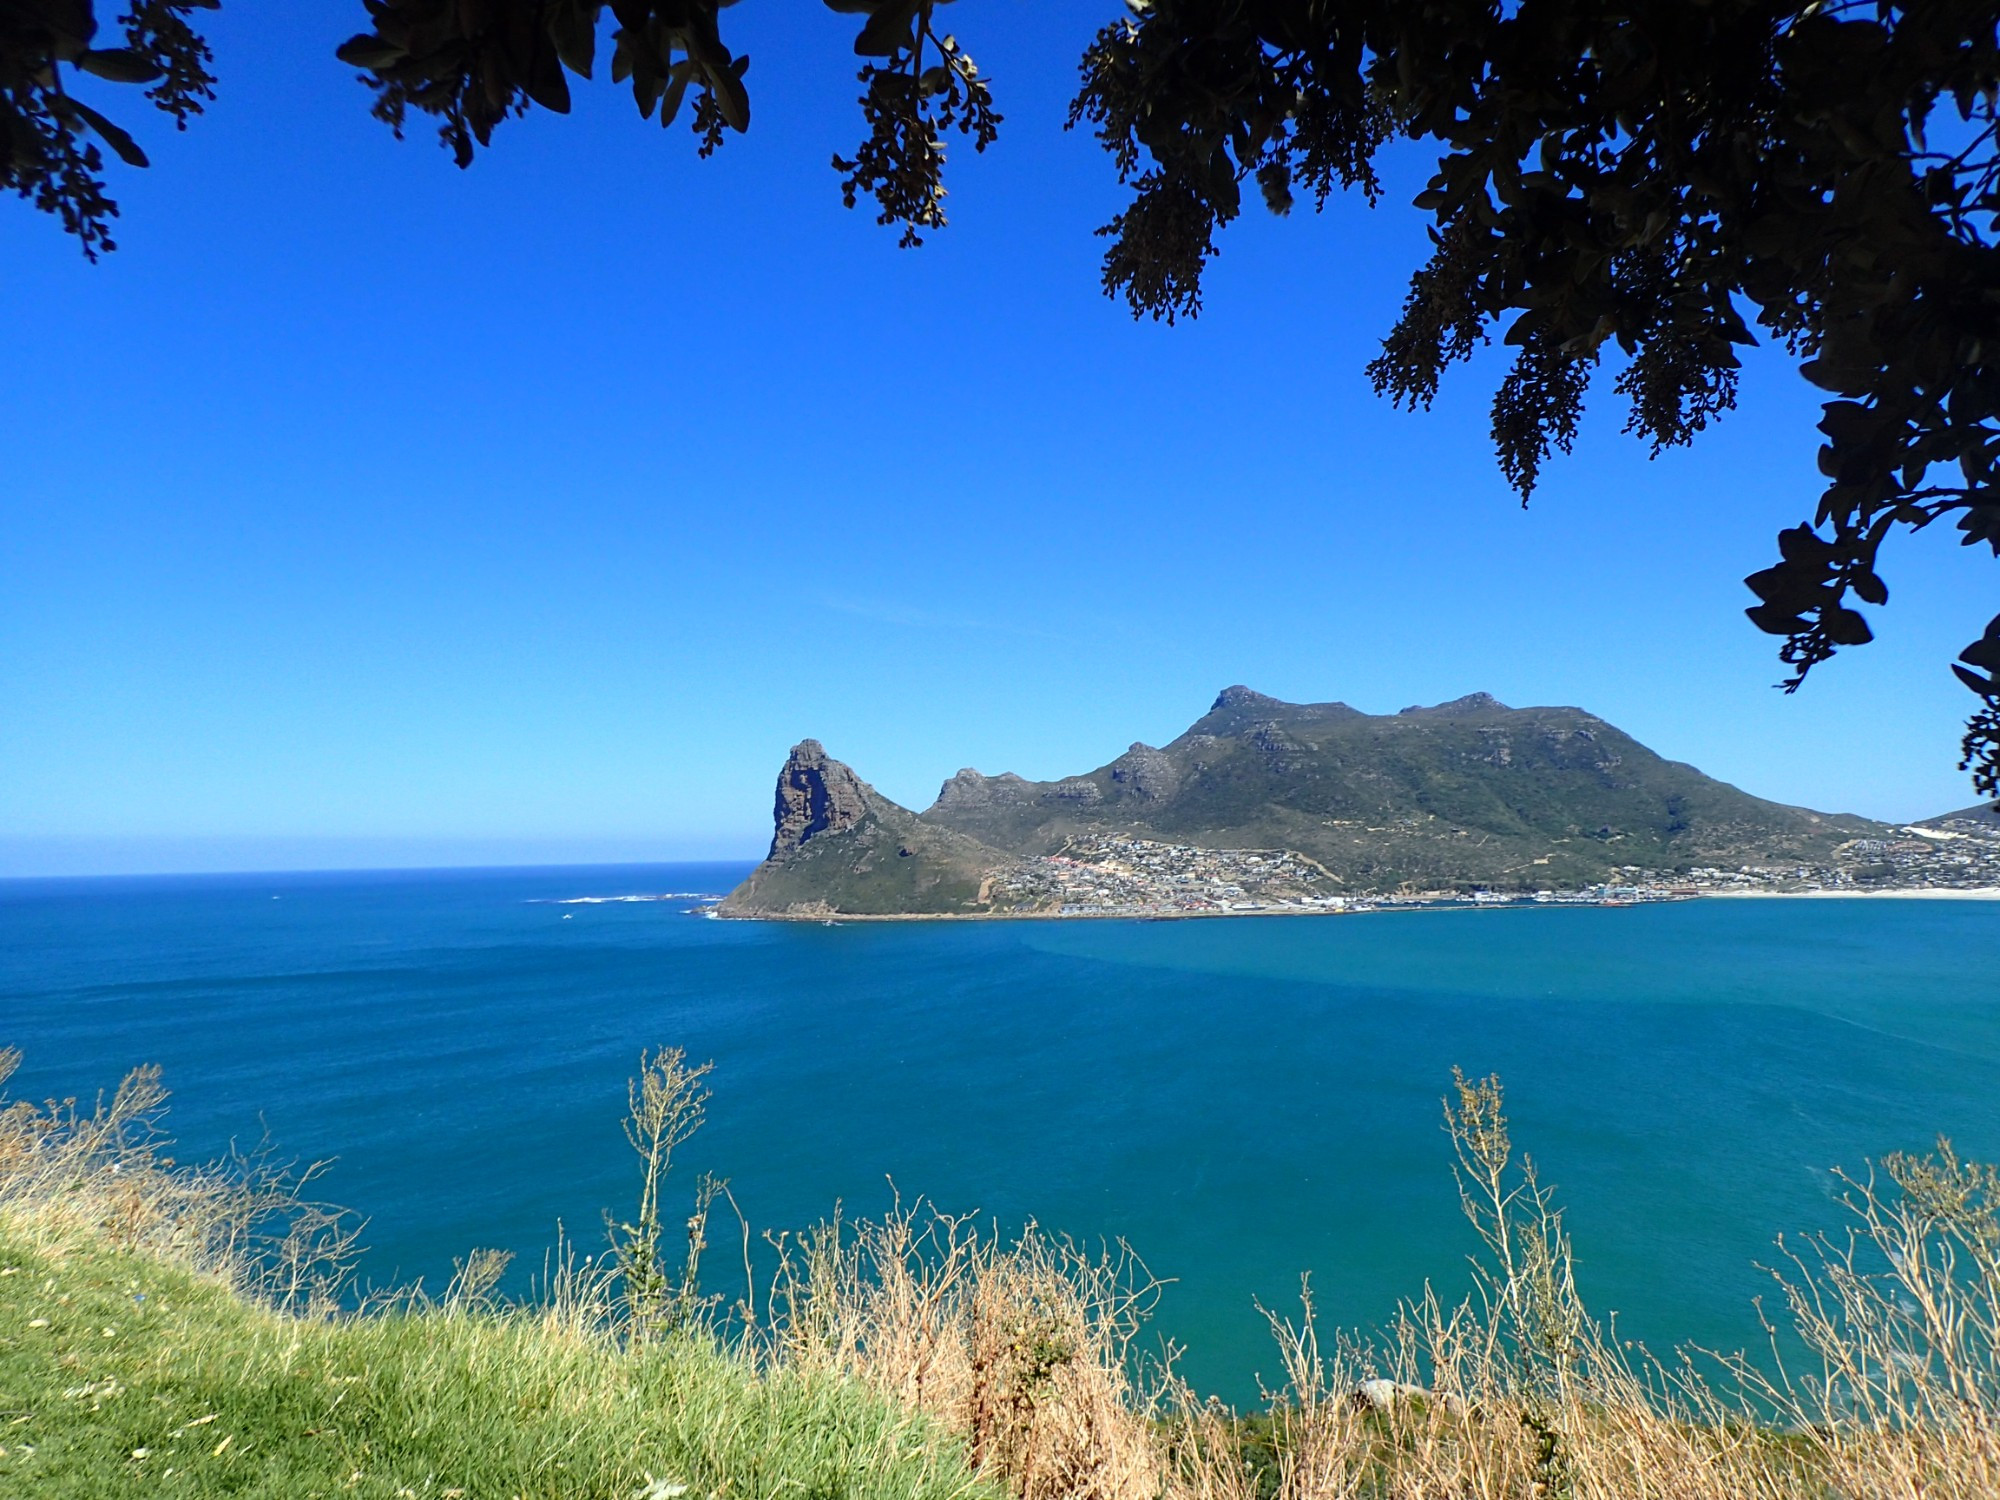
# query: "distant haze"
{"points": [[195, 856]]}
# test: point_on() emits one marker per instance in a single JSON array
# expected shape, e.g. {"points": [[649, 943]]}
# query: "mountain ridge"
{"points": [[1464, 795]]}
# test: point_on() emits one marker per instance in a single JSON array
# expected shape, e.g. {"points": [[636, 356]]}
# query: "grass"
{"points": [[171, 1331], [122, 1375], [166, 1330]]}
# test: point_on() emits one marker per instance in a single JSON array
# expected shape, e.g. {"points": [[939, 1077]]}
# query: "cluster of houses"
{"points": [[1109, 876], [1114, 876]]}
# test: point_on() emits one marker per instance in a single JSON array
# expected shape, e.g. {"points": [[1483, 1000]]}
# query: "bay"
{"points": [[1241, 1100]]}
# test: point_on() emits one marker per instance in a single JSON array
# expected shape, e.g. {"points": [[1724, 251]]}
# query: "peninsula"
{"points": [[1266, 807]]}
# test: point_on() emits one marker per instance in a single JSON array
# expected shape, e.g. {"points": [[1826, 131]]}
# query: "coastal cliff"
{"points": [[817, 795]]}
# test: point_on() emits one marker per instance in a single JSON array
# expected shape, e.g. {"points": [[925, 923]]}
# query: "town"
{"points": [[1110, 876]]}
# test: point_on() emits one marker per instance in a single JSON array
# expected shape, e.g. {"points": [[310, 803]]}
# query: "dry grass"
{"points": [[1021, 1347], [1518, 1392], [1514, 1393], [1015, 1356], [102, 1173]]}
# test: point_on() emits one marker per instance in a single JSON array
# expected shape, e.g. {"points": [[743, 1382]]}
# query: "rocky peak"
{"points": [[1471, 703], [1240, 696], [970, 788], [1147, 772], [967, 785], [816, 794]]}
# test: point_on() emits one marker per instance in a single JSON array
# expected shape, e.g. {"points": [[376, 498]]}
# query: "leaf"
{"points": [[112, 135], [370, 52], [120, 65], [1789, 589], [730, 96], [888, 31], [1829, 375], [670, 101], [547, 85], [1849, 421], [1801, 545], [1844, 627], [70, 24], [1774, 621], [573, 30]]}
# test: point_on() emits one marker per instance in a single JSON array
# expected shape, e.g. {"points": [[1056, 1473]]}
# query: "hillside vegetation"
{"points": [[1467, 793], [885, 864], [166, 1331]]}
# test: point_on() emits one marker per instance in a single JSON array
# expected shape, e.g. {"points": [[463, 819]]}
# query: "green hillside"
{"points": [[882, 866], [1468, 792]]}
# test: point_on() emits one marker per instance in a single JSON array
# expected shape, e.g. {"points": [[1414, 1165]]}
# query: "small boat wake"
{"points": [[620, 900]]}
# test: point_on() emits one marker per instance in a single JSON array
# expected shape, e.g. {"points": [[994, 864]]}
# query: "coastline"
{"points": [[830, 918], [1442, 903]]}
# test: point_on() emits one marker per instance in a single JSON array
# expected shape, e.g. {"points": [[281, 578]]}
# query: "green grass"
{"points": [[123, 1375]]}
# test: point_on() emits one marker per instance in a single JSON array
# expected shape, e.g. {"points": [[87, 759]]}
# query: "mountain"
{"points": [[1460, 795], [1466, 792]]}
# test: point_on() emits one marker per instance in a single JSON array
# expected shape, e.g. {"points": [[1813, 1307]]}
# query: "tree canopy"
{"points": [[1655, 180]]}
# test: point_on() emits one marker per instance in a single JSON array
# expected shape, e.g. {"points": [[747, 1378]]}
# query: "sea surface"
{"points": [[1242, 1101]]}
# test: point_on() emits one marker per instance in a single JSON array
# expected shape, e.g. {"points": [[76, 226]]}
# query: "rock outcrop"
{"points": [[969, 791], [1240, 696], [1471, 703], [841, 848], [1149, 774], [816, 794]]}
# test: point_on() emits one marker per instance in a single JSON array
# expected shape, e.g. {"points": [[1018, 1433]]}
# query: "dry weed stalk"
{"points": [[1517, 1393], [1022, 1347], [575, 1296], [1901, 1315], [665, 1105], [103, 1171]]}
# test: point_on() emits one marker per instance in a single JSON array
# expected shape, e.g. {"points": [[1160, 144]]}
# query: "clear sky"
{"points": [[360, 510]]}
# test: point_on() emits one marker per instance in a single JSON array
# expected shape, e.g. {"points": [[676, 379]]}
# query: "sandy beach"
{"points": [[1982, 893]]}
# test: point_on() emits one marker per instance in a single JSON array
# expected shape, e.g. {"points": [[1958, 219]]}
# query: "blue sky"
{"points": [[360, 510]]}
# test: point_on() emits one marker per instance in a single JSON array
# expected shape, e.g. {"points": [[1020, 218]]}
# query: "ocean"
{"points": [[1242, 1101]]}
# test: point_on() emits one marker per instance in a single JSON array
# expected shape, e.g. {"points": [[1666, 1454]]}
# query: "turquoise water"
{"points": [[1242, 1100]]}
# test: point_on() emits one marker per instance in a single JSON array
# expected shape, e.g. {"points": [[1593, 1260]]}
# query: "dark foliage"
{"points": [[1647, 174], [908, 105], [49, 138], [472, 63]]}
